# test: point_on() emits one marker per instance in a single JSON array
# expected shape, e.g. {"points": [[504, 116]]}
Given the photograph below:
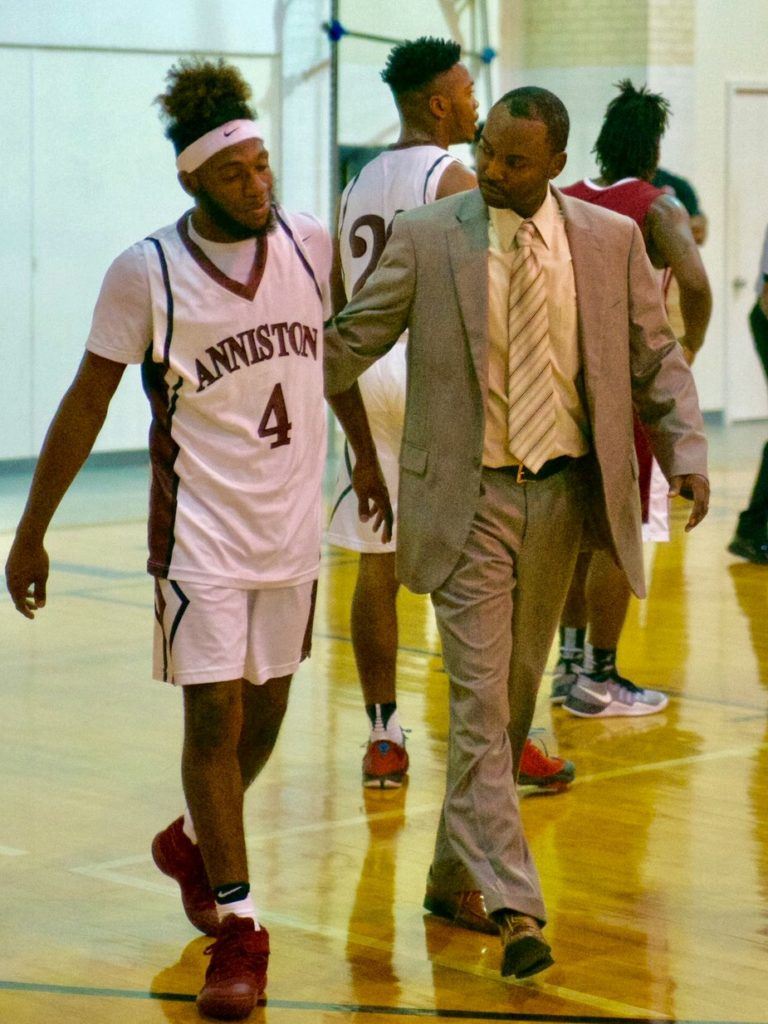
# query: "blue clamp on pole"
{"points": [[334, 30]]}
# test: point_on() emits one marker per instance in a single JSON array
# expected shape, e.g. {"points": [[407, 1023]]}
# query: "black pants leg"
{"points": [[754, 519]]}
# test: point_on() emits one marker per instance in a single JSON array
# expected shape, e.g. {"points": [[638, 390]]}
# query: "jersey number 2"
{"points": [[280, 427], [359, 246]]}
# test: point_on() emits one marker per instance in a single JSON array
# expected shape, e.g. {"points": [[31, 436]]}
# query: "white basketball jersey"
{"points": [[234, 377], [394, 181]]}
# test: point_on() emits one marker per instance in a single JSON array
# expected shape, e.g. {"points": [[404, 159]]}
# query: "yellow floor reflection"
{"points": [[654, 864]]}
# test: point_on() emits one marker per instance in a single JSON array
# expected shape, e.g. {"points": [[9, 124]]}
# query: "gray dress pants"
{"points": [[497, 614]]}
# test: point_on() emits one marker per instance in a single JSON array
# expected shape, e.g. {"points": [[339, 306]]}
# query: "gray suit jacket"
{"points": [[433, 279]]}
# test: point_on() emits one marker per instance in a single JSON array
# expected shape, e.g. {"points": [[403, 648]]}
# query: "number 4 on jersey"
{"points": [[280, 428]]}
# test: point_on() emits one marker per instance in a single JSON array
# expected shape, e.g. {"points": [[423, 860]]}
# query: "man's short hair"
{"points": [[413, 64], [536, 104]]}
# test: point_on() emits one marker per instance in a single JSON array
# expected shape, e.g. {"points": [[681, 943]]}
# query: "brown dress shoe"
{"points": [[525, 950], [466, 909]]}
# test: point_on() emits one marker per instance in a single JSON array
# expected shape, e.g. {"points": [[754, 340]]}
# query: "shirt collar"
{"points": [[505, 223]]}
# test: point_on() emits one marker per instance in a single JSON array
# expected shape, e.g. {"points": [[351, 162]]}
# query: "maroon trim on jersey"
{"points": [[306, 644], [160, 607], [163, 452], [245, 291]]}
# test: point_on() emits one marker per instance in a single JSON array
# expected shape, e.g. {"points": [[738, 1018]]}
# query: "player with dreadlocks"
{"points": [[586, 679], [224, 312]]}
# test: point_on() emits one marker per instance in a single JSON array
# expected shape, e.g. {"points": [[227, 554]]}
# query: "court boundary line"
{"points": [[352, 1008]]}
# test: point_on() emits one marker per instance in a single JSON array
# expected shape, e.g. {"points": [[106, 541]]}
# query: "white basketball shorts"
{"points": [[213, 634], [657, 527], [383, 389]]}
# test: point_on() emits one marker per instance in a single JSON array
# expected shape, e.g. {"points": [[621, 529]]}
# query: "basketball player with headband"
{"points": [[223, 310]]}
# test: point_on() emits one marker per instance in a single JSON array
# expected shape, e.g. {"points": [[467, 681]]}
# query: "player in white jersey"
{"points": [[435, 100], [401, 178], [224, 310], [434, 94]]}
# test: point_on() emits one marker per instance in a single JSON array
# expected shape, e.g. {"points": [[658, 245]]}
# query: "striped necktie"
{"points": [[530, 388]]}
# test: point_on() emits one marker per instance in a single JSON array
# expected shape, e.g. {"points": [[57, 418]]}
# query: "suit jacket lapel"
{"points": [[468, 249], [590, 272]]}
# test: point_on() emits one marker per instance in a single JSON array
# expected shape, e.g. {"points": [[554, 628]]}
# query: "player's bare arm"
{"points": [[70, 438], [671, 242], [455, 178], [367, 478]]}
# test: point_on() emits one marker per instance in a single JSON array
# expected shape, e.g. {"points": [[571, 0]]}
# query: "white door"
{"points": [[746, 395]]}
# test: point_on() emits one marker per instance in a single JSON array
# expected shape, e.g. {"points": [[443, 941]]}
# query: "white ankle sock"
{"points": [[393, 730], [188, 827], [240, 908]]}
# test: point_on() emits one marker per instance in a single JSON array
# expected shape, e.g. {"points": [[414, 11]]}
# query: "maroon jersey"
{"points": [[633, 197]]}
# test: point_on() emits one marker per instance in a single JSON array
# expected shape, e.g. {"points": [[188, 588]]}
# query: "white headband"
{"points": [[228, 134]]}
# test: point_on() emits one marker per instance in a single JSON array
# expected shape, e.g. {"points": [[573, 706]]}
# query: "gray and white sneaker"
{"points": [[564, 675], [612, 697]]}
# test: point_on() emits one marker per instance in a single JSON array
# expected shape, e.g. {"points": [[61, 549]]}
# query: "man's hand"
{"points": [[372, 497], [367, 478], [694, 488], [26, 573]]}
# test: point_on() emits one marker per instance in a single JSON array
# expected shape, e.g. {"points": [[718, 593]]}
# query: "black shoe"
{"points": [[524, 950], [754, 549]]}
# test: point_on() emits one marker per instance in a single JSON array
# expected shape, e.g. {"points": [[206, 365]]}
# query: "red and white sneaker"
{"points": [[180, 859], [551, 774], [236, 978], [385, 764]]}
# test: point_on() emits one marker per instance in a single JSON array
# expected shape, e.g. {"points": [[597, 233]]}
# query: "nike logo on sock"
{"points": [[223, 894]]}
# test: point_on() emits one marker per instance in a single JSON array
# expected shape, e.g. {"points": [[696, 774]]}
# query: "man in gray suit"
{"points": [[535, 323]]}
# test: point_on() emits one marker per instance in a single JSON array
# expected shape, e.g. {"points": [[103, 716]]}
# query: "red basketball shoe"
{"points": [[237, 975], [552, 774], [385, 764], [180, 859]]}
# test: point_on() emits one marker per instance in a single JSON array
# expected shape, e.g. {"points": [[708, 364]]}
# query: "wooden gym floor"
{"points": [[654, 864]]}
